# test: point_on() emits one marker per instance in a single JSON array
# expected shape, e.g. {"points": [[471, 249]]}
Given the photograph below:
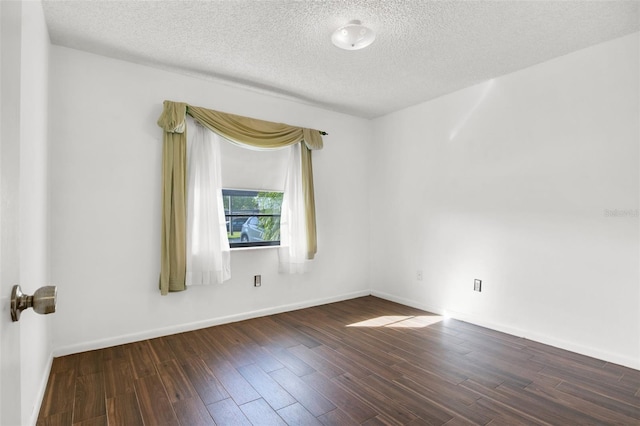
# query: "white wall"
{"points": [[105, 160], [512, 181], [26, 345]]}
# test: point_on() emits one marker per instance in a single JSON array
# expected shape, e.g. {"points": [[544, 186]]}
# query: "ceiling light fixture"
{"points": [[353, 36]]}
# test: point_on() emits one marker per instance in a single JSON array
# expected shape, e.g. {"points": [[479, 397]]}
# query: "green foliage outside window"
{"points": [[270, 203]]}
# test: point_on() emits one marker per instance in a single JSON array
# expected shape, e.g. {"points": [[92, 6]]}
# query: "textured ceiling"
{"points": [[423, 49]]}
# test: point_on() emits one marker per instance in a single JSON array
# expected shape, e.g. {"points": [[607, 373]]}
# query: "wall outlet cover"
{"points": [[477, 285]]}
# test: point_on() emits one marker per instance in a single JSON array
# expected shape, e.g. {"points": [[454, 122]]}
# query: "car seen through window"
{"points": [[252, 217]]}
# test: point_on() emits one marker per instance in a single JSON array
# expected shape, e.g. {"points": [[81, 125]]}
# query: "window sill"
{"points": [[254, 248]]}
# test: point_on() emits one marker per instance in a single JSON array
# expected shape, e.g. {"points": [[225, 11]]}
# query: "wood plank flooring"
{"points": [[363, 361]]}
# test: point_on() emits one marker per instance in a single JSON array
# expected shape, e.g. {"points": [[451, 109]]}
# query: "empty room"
{"points": [[385, 212]]}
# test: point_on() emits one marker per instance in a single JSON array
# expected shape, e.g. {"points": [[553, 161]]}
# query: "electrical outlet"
{"points": [[419, 275], [257, 280], [477, 285]]}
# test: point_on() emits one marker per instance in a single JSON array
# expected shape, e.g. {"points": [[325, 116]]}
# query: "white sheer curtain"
{"points": [[293, 230], [208, 254]]}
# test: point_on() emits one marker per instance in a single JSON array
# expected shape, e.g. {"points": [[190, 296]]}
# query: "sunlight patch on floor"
{"points": [[398, 321]]}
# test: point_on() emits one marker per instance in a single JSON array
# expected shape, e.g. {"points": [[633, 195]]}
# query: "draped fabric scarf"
{"points": [[241, 130]]}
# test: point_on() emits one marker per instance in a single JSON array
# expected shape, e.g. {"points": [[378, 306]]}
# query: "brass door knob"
{"points": [[43, 301]]}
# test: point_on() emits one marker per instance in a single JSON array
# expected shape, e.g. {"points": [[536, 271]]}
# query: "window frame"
{"points": [[230, 215]]}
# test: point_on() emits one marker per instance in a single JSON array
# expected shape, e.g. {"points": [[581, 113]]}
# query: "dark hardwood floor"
{"points": [[363, 361]]}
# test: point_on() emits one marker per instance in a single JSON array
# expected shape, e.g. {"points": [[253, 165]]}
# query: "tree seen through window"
{"points": [[252, 217]]}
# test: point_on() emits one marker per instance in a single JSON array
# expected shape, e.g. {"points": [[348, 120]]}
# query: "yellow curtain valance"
{"points": [[172, 119], [242, 130]]}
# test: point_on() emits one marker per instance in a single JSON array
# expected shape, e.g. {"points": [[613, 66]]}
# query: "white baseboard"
{"points": [[166, 331], [406, 302], [503, 328]]}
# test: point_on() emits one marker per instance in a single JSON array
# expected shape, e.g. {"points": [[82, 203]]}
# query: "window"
{"points": [[252, 217]]}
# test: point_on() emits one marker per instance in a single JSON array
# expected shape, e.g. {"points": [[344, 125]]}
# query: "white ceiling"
{"points": [[423, 49]]}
